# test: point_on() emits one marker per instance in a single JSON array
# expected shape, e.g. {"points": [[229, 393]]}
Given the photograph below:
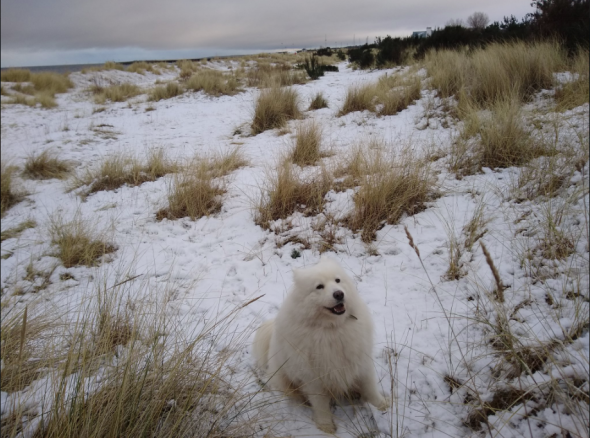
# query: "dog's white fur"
{"points": [[309, 350]]}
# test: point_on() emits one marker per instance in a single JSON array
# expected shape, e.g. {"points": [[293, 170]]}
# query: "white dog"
{"points": [[320, 344]]}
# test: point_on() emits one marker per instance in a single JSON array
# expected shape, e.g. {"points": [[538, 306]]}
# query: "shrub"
{"points": [[389, 52], [313, 67], [172, 89], [273, 108], [362, 56], [45, 166]]}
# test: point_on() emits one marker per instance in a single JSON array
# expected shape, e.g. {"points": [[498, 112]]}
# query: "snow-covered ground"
{"points": [[427, 327]]}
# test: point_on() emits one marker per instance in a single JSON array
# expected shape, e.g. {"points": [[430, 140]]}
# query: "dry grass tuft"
{"points": [[308, 139], [160, 381], [318, 102], [575, 92], [504, 141], [22, 361], [390, 187], [359, 98], [495, 139], [78, 243], [496, 72], [273, 108], [448, 70], [213, 83], [44, 86], [141, 67], [223, 163], [394, 100], [265, 75], [51, 83], [109, 65], [193, 193], [288, 192], [503, 400], [114, 93], [172, 89], [119, 170], [46, 165], [187, 68], [15, 75], [14, 232], [9, 196]]}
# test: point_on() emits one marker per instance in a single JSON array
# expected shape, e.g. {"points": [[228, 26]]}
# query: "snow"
{"points": [[425, 325]]}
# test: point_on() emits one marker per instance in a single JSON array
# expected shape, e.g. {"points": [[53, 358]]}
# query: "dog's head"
{"points": [[325, 287]]}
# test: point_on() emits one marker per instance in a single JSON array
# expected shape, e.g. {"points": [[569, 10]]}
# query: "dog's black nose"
{"points": [[339, 295]]}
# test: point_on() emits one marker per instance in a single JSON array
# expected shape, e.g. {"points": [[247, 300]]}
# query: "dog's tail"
{"points": [[261, 343]]}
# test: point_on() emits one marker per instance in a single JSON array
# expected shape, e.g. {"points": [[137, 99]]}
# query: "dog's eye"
{"points": [[337, 280], [320, 286]]}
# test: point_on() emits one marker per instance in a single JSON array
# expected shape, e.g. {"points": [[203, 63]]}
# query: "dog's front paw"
{"points": [[383, 404], [325, 423], [328, 427]]}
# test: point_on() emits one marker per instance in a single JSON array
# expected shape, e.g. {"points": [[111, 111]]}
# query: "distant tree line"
{"points": [[567, 21]]}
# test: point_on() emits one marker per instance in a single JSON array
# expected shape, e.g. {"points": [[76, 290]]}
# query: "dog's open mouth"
{"points": [[338, 309]]}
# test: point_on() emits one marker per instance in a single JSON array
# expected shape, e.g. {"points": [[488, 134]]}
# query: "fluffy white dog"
{"points": [[320, 344]]}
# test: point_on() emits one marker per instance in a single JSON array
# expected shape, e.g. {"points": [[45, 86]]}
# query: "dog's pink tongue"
{"points": [[339, 308]]}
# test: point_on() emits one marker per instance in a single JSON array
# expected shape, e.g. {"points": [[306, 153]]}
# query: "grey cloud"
{"points": [[54, 25]]}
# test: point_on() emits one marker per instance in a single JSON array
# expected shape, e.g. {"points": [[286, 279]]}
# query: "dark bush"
{"points": [[325, 51], [313, 67], [390, 51], [362, 56], [568, 20]]}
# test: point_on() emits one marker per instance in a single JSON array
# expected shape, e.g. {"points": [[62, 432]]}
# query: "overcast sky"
{"points": [[51, 32]]}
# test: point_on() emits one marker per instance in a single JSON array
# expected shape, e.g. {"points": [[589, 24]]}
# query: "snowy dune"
{"points": [[427, 326]]}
